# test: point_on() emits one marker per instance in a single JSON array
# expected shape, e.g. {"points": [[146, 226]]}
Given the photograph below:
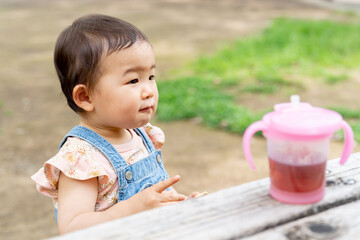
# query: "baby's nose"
{"points": [[148, 92]]}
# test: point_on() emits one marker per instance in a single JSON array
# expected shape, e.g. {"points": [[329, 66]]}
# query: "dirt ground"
{"points": [[34, 116]]}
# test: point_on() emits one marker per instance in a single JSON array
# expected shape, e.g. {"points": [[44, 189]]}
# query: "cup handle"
{"points": [[249, 133], [349, 142]]}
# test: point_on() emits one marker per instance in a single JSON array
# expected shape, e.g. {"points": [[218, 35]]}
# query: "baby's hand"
{"points": [[156, 196], [197, 194]]}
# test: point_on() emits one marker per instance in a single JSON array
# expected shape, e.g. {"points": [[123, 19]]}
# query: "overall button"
{"points": [[128, 175], [158, 157]]}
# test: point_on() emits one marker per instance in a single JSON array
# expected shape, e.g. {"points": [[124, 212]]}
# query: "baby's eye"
{"points": [[152, 77], [133, 81]]}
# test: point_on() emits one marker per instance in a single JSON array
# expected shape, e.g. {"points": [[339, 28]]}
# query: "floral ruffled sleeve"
{"points": [[156, 135], [76, 159]]}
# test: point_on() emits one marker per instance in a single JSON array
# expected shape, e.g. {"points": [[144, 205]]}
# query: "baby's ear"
{"points": [[81, 97]]}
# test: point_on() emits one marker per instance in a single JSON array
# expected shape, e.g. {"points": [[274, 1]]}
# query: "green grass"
{"points": [[356, 129], [288, 47], [278, 58], [347, 113], [352, 117], [191, 97], [334, 79]]}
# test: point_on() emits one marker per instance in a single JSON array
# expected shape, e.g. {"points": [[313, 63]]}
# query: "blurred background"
{"points": [[220, 66]]}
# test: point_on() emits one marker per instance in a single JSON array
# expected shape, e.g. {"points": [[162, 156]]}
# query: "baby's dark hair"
{"points": [[81, 46]]}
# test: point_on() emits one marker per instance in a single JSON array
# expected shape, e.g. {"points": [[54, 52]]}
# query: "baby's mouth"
{"points": [[146, 108]]}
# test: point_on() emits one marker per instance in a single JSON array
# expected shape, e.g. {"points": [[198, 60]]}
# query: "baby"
{"points": [[110, 165]]}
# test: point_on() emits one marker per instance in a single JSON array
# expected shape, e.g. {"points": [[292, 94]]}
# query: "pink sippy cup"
{"points": [[298, 137]]}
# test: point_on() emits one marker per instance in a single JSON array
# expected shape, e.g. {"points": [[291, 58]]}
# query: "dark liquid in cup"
{"points": [[297, 178]]}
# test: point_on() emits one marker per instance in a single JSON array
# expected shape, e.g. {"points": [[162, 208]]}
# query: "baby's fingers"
{"points": [[194, 194], [161, 186], [172, 197]]}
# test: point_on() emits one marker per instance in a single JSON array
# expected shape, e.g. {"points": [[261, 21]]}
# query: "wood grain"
{"points": [[242, 211]]}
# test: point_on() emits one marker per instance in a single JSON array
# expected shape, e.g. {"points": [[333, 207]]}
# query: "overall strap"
{"points": [[99, 142], [147, 141]]}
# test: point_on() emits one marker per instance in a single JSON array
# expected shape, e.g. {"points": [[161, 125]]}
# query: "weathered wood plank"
{"points": [[341, 223], [236, 212]]}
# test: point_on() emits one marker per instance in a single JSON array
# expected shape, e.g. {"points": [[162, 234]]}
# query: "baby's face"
{"points": [[126, 94]]}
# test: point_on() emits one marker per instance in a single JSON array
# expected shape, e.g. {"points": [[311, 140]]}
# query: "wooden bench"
{"points": [[247, 211]]}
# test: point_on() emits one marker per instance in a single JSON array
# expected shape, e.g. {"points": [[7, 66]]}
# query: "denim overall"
{"points": [[132, 178]]}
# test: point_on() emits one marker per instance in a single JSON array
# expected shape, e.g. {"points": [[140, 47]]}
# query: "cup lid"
{"points": [[302, 119]]}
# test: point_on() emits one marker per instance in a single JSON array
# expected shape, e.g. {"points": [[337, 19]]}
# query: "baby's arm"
{"points": [[76, 206], [76, 203]]}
